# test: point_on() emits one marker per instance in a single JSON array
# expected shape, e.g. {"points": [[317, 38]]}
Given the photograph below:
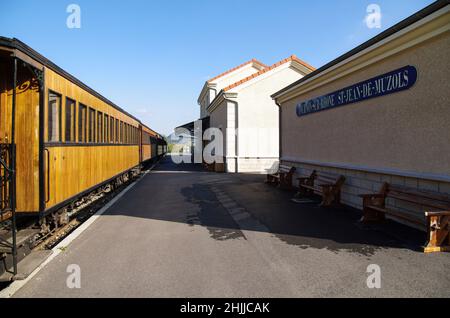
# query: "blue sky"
{"points": [[153, 57]]}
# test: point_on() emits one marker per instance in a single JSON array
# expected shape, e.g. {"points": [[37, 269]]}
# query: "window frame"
{"points": [[50, 91], [92, 128], [73, 134], [112, 129], [117, 131], [100, 128], [121, 132], [106, 128], [83, 128]]}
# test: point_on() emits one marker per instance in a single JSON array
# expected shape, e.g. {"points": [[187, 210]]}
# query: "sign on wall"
{"points": [[392, 82]]}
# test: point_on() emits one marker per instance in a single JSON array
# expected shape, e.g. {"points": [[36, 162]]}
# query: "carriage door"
{"points": [[19, 122]]}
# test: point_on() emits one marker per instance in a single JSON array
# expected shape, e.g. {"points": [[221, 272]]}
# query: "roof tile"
{"points": [[264, 70], [236, 68]]}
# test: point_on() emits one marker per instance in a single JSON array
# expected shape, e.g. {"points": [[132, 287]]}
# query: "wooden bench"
{"points": [[283, 177], [436, 208], [208, 166], [326, 184]]}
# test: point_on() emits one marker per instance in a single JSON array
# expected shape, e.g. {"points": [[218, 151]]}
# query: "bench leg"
{"points": [[438, 234], [287, 183], [271, 180], [370, 215], [330, 197], [304, 191], [281, 183]]}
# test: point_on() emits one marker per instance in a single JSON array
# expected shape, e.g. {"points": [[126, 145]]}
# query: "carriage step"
{"points": [[23, 237], [26, 266]]}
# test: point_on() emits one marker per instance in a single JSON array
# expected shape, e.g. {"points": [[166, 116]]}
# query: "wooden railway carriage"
{"points": [[59, 139], [153, 144]]}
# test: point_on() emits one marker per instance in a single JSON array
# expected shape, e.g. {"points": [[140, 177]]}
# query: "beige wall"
{"points": [[407, 131]]}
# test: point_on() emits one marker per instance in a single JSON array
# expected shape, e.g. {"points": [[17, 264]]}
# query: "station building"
{"points": [[379, 113], [239, 103]]}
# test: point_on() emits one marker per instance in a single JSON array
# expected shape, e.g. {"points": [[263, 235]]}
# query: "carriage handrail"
{"points": [[5, 166]]}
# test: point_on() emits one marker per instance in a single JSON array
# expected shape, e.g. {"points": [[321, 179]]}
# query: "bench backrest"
{"points": [[435, 201], [287, 169], [328, 178]]}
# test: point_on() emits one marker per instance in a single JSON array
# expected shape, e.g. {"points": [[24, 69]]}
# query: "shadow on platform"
{"points": [[169, 194]]}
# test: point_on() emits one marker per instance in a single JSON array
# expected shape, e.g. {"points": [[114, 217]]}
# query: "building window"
{"points": [[70, 120], [82, 123], [54, 117], [91, 135], [99, 127]]}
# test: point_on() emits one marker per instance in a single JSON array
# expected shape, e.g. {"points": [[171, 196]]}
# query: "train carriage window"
{"points": [[106, 128], [70, 114], [82, 123], [130, 131], [131, 135], [117, 131], [54, 117], [111, 129], [99, 127], [91, 135], [125, 133], [121, 132]]}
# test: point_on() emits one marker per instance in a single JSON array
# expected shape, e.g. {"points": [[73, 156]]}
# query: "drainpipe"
{"points": [[279, 130], [236, 126]]}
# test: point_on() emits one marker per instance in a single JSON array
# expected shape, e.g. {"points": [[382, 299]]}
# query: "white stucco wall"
{"points": [[214, 87], [258, 133], [254, 113]]}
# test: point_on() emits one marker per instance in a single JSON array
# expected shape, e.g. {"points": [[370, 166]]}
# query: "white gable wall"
{"points": [[258, 132], [214, 87], [235, 76]]}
